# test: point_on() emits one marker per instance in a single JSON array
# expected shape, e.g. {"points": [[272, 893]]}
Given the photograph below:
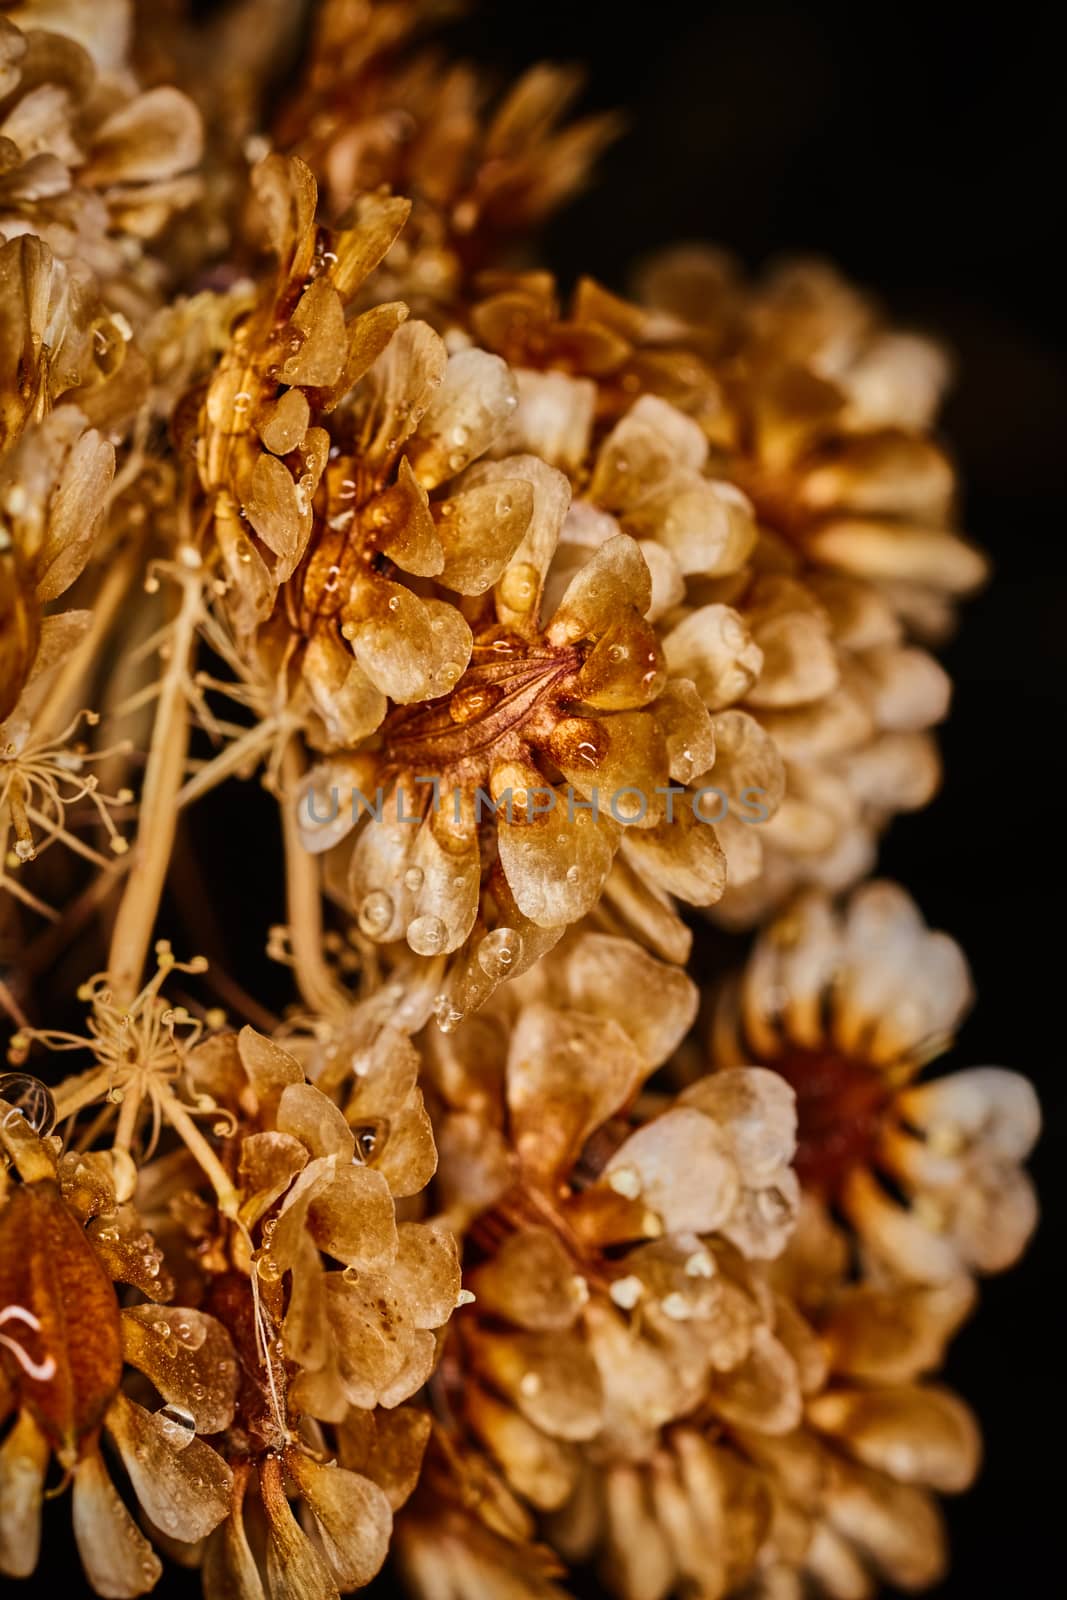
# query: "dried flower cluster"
{"points": [[492, 1235]]}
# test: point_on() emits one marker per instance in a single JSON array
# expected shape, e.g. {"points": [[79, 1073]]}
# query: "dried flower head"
{"points": [[849, 1006]]}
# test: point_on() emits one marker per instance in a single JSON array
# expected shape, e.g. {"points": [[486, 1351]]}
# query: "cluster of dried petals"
{"points": [[608, 1233], [67, 1235], [810, 649], [377, 107], [332, 1301], [849, 1005], [490, 820]]}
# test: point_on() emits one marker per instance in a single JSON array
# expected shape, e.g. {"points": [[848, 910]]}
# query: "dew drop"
{"points": [[177, 1425], [499, 951], [427, 936], [518, 586], [375, 913], [573, 875], [413, 879], [30, 1099]]}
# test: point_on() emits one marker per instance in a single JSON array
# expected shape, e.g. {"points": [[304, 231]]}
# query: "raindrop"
{"points": [[177, 1425], [573, 875], [375, 913], [499, 951], [427, 936], [413, 879], [369, 1137], [31, 1099]]}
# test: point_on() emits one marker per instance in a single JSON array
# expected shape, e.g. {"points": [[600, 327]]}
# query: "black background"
{"points": [[923, 155]]}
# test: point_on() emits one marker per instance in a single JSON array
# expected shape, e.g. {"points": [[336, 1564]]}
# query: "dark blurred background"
{"points": [[924, 156]]}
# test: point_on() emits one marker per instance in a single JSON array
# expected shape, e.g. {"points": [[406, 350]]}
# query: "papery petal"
{"points": [[24, 1457], [476, 398], [189, 1358], [713, 648], [553, 1105], [186, 1492], [119, 1562], [682, 1167], [353, 1515]]}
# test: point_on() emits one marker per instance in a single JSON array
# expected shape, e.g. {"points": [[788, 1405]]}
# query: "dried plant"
{"points": [[494, 1232]]}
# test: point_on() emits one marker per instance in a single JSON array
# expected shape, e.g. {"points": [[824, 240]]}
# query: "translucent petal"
{"points": [[295, 1569], [353, 1515], [189, 1358], [682, 857], [566, 1075], [480, 529], [682, 1167], [310, 1116], [351, 1217], [153, 136], [350, 705], [389, 631], [426, 1272], [531, 1282], [552, 496], [556, 867], [550, 1377], [185, 1492], [387, 1447], [270, 1068], [284, 422], [475, 400], [401, 384], [616, 576], [406, 532], [541, 1469], [119, 1562], [758, 1112], [319, 321], [713, 648], [372, 1332]]}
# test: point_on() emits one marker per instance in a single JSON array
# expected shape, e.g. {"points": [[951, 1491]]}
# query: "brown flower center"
{"points": [[502, 690], [840, 1106]]}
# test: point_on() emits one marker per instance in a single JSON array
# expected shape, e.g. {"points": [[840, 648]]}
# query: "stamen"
{"points": [[39, 1371]]}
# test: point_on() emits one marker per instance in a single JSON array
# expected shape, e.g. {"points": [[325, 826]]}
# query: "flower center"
{"points": [[499, 692], [840, 1106]]}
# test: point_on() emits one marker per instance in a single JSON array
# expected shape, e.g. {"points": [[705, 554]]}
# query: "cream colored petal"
{"points": [[119, 1562], [350, 705], [392, 642], [153, 136], [553, 1106], [474, 402], [615, 979], [757, 1110], [530, 1281], [538, 1467], [713, 648], [916, 1435], [186, 1491], [897, 1527], [550, 1377], [24, 1457], [682, 856], [553, 419], [401, 384], [318, 330], [682, 1167], [985, 1108], [353, 1515], [883, 550]]}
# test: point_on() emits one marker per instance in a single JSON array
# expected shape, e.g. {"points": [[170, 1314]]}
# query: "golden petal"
{"points": [[353, 1514], [118, 1560], [24, 1458], [186, 1491], [189, 1358]]}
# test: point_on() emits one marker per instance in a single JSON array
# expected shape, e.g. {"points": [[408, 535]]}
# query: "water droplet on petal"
{"points": [[375, 913], [499, 951], [30, 1099], [177, 1425], [427, 936]]}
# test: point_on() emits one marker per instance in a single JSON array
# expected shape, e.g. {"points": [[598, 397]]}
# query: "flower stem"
{"points": [[316, 982], [155, 832]]}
